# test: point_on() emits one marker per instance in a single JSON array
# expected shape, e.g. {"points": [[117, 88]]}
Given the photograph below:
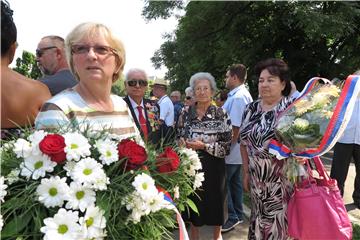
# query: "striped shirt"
{"points": [[68, 107]]}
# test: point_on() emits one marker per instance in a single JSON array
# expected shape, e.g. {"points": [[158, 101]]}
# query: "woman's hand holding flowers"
{"points": [[195, 144]]}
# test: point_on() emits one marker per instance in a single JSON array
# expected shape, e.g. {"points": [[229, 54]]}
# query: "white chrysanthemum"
{"points": [[134, 201], [80, 197], [13, 176], [3, 186], [155, 202], [192, 162], [301, 123], [36, 166], [101, 182], [22, 148], [53, 191], [93, 223], [35, 138], [77, 146], [144, 185], [89, 172], [135, 215], [69, 167], [108, 151], [176, 192], [199, 178], [64, 225], [1, 222]]}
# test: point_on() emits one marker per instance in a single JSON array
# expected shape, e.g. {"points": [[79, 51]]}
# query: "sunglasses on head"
{"points": [[40, 51], [133, 83], [98, 49]]}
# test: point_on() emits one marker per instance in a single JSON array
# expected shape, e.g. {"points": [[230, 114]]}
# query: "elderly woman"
{"points": [[97, 59], [270, 189], [189, 95], [207, 129]]}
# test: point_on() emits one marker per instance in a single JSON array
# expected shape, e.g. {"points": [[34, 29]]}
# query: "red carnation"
{"points": [[53, 145], [168, 161], [135, 153]]}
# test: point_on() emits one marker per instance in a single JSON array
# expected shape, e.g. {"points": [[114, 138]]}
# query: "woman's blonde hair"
{"points": [[89, 30]]}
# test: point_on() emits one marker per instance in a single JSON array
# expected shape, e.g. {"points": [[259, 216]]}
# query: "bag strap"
{"points": [[321, 169]]}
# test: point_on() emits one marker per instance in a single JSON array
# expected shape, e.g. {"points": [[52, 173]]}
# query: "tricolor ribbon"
{"points": [[183, 235], [337, 123]]}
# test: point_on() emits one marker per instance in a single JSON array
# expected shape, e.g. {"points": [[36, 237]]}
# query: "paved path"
{"points": [[241, 230]]}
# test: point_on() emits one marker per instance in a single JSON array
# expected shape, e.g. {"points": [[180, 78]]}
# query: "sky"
{"points": [[37, 18]]}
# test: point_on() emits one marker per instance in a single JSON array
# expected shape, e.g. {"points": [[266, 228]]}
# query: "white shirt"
{"points": [[134, 106], [351, 133], [235, 105], [166, 110]]}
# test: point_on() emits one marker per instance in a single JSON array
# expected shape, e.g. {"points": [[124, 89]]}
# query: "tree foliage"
{"points": [[314, 38], [27, 66], [118, 87], [160, 9]]}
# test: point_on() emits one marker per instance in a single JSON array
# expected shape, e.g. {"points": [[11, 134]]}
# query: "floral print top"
{"points": [[214, 129]]}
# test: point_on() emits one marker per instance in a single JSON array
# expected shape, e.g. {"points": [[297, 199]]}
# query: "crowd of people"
{"points": [[229, 130]]}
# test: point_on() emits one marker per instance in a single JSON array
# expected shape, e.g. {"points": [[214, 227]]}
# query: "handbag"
{"points": [[316, 209]]}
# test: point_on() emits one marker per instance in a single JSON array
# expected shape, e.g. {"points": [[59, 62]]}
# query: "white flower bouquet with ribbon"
{"points": [[314, 122], [81, 185]]}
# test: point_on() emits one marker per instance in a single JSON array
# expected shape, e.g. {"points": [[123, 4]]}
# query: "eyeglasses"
{"points": [[98, 49], [40, 51], [204, 89], [133, 83], [188, 98]]}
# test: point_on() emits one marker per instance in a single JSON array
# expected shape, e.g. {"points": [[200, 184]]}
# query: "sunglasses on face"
{"points": [[41, 51], [98, 49], [188, 98], [133, 83]]}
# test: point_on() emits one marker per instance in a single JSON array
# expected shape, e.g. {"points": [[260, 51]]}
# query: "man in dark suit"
{"points": [[146, 113]]}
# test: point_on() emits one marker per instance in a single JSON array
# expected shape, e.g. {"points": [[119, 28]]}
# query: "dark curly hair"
{"points": [[8, 28], [276, 67]]}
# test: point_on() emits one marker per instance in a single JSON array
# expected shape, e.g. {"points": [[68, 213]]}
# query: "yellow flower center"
{"points": [[80, 195], [62, 229], [89, 222], [74, 146], [38, 164], [53, 192], [87, 171], [108, 153]]}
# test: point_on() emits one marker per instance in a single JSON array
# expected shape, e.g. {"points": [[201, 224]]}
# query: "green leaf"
{"points": [[16, 225], [192, 205]]}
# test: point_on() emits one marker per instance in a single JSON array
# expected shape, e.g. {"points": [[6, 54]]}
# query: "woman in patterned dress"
{"points": [[96, 58], [270, 189], [207, 129]]}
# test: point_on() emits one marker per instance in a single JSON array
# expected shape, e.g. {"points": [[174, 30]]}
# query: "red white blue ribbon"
{"points": [[337, 123], [183, 234]]}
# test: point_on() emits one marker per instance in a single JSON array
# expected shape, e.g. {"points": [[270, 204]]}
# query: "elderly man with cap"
{"points": [[166, 111], [166, 106]]}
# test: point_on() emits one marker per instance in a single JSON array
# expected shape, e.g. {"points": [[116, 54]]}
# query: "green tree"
{"points": [[118, 87], [26, 65], [314, 38]]}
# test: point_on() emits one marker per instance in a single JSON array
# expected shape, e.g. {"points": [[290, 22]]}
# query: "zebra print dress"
{"points": [[270, 190]]}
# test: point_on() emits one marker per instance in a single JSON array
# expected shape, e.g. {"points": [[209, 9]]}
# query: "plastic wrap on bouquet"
{"points": [[314, 122]]}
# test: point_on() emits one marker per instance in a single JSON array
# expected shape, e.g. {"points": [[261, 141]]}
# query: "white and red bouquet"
{"points": [[85, 185]]}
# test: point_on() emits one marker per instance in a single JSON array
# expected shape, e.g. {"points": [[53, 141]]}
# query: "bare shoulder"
{"points": [[34, 88]]}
